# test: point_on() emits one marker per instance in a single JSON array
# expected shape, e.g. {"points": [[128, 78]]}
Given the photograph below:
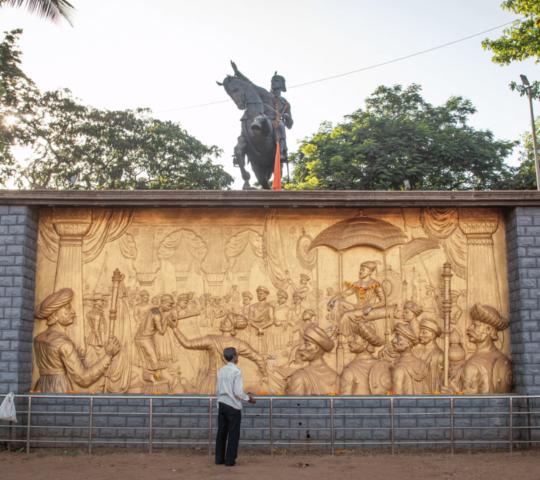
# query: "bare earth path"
{"points": [[187, 465]]}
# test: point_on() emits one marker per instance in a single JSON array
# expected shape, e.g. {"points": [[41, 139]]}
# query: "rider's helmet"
{"points": [[281, 80]]}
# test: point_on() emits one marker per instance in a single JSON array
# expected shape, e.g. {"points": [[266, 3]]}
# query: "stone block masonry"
{"points": [[18, 255]]}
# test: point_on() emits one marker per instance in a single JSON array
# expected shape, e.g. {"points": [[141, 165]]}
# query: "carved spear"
{"points": [[447, 310], [116, 278]]}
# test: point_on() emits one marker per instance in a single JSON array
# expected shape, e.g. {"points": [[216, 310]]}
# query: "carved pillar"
{"points": [[479, 225], [72, 225]]}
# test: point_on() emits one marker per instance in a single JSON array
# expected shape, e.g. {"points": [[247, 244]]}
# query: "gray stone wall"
{"points": [[523, 257], [18, 247], [120, 421], [177, 423]]}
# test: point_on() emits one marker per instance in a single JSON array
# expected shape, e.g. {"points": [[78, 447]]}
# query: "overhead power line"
{"points": [[356, 71]]}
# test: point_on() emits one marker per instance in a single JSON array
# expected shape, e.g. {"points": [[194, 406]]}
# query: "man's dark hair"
{"points": [[229, 353]]}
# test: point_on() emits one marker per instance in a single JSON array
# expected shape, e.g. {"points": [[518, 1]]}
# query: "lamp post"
{"points": [[527, 85]]}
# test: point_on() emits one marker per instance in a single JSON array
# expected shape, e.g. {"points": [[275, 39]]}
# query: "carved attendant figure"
{"points": [[261, 316], [410, 373], [96, 322], [60, 364], [429, 351], [359, 377], [281, 319], [317, 378], [411, 312]]}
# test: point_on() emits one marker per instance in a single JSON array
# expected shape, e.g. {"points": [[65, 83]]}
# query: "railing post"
{"points": [[529, 423], [10, 436], [150, 429], [392, 424], [511, 425], [271, 427], [210, 426], [332, 425], [90, 424], [452, 426], [28, 425]]}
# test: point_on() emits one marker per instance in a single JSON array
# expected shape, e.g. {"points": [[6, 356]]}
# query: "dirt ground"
{"points": [[189, 464]]}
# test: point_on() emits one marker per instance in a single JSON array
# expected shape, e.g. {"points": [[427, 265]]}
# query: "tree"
{"points": [[99, 149], [522, 39], [401, 138], [524, 176], [50, 9]]}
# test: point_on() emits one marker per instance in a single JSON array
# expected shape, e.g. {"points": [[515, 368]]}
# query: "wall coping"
{"points": [[265, 198]]}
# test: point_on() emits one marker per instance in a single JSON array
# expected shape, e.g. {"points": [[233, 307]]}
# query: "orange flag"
{"points": [[277, 170]]}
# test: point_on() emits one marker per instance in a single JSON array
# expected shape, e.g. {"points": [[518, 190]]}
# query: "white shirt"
{"points": [[230, 386]]}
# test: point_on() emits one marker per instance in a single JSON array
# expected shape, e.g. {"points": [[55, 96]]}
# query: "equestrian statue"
{"points": [[266, 114]]}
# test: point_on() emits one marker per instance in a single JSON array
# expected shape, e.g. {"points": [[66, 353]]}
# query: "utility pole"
{"points": [[525, 82]]}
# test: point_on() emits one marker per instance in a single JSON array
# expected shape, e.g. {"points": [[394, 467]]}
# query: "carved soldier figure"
{"points": [[411, 312], [60, 364], [215, 344], [245, 334], [142, 307], [276, 108], [182, 304], [365, 375], [281, 319], [429, 351], [488, 370], [261, 316], [227, 305], [296, 315], [302, 289], [317, 378], [192, 305], [369, 295], [409, 376], [235, 295], [218, 311], [96, 322], [147, 354]]}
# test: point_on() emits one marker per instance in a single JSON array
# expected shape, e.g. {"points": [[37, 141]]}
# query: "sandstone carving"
{"points": [[308, 297]]}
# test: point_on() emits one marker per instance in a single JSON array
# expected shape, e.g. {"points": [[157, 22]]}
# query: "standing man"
{"points": [[230, 395]]}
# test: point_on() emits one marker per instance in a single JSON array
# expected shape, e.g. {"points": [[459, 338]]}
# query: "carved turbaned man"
{"points": [[317, 378], [488, 370], [60, 364], [365, 375], [409, 375], [429, 351]]}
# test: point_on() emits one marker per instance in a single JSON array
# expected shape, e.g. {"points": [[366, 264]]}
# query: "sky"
{"points": [[168, 54]]}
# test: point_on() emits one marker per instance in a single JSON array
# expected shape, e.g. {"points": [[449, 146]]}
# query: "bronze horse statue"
{"points": [[262, 126]]}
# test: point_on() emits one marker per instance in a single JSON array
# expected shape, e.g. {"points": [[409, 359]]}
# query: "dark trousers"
{"points": [[228, 434]]}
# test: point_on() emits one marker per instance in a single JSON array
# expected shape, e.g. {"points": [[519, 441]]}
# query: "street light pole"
{"points": [[525, 82]]}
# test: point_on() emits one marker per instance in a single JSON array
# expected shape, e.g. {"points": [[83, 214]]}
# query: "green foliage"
{"points": [[53, 10], [524, 177], [399, 137], [522, 39], [102, 149]]}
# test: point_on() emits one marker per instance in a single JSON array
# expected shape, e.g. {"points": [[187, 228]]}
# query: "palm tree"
{"points": [[50, 9]]}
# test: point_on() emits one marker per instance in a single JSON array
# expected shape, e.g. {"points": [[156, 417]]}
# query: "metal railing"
{"points": [[451, 408]]}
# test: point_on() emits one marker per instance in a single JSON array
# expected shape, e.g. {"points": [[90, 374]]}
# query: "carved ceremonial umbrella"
{"points": [[359, 231]]}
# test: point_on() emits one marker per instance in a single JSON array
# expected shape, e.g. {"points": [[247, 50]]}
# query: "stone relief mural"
{"points": [[315, 301]]}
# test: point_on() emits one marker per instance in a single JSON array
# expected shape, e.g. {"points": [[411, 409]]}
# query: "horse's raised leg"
{"points": [[240, 161]]}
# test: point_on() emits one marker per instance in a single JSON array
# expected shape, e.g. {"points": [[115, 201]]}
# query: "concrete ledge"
{"points": [[268, 198]]}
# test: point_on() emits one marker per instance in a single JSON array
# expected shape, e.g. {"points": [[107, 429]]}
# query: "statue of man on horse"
{"points": [[265, 117]]}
